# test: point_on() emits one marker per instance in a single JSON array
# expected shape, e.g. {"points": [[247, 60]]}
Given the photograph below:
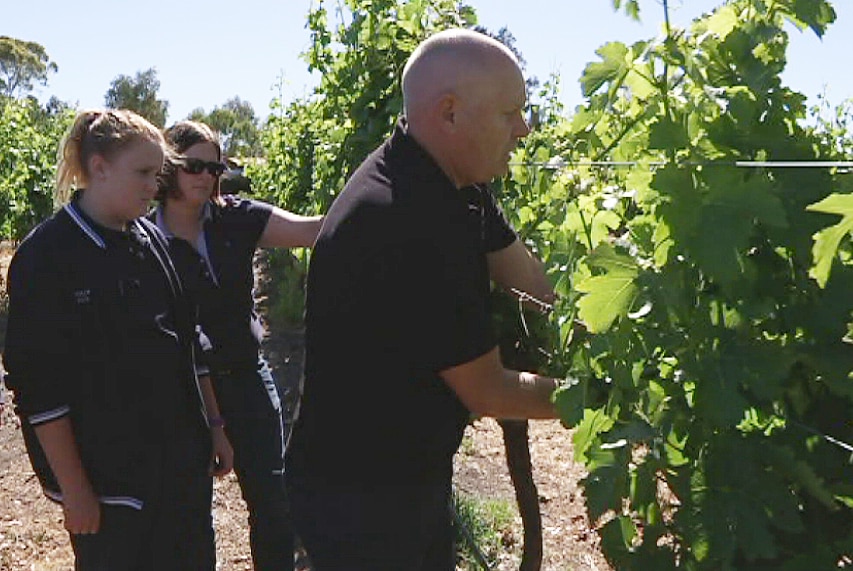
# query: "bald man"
{"points": [[400, 350]]}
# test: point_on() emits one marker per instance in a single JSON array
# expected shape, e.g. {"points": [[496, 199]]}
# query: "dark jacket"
{"points": [[222, 283], [100, 331]]}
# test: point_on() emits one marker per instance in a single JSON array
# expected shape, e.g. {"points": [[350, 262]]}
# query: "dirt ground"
{"points": [[32, 537]]}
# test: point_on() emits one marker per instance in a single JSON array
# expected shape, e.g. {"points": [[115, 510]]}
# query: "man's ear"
{"points": [[447, 110]]}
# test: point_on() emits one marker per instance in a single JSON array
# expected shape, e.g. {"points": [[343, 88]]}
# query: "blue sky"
{"points": [[207, 52]]}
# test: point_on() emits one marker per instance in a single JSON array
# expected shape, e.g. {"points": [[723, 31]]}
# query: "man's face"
{"points": [[492, 124]]}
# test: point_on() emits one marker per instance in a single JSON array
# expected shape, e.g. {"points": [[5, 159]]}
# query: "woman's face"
{"points": [[124, 185], [197, 188]]}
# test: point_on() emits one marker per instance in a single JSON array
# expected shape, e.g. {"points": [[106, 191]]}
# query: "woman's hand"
{"points": [[222, 454], [82, 511]]}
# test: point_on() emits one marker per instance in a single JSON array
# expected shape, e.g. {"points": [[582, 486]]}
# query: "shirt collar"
{"points": [[418, 163], [160, 217], [99, 234], [424, 170]]}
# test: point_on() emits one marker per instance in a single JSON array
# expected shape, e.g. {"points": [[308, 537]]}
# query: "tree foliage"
{"points": [[22, 65], [29, 141], [139, 94], [237, 125]]}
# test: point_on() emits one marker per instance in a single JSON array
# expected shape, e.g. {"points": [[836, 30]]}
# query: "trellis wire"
{"points": [[561, 163]]}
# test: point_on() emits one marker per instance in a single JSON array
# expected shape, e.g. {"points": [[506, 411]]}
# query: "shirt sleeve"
{"points": [[247, 218], [36, 355], [498, 232]]}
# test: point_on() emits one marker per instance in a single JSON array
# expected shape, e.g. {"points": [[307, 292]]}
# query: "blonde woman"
{"points": [[100, 357]]}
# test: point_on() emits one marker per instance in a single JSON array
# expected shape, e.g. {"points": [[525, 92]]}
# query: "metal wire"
{"points": [[561, 163]]}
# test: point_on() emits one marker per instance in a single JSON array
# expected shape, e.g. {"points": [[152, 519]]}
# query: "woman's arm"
{"points": [[79, 503], [222, 454], [288, 230]]}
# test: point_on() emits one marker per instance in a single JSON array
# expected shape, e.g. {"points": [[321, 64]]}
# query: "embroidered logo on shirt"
{"points": [[83, 296]]}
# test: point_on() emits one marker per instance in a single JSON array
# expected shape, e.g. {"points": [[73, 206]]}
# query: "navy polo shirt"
{"points": [[218, 274], [397, 291], [99, 331]]}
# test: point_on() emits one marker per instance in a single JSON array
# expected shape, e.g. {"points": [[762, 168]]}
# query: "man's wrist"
{"points": [[215, 422]]}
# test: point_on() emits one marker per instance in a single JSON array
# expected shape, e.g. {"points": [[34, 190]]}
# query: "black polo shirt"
{"points": [[397, 291], [100, 331], [217, 272]]}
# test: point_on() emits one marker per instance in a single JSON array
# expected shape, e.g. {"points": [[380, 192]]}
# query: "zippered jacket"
{"points": [[100, 331]]}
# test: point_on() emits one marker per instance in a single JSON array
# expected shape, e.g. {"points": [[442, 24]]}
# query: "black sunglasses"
{"points": [[196, 166]]}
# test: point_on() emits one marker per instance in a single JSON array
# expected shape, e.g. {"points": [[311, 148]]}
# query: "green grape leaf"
{"points": [[570, 402], [816, 14], [728, 220], [827, 241], [594, 422], [612, 67], [843, 493], [617, 538], [718, 399], [607, 482], [722, 21], [610, 295], [640, 85], [666, 134], [760, 367], [753, 529], [800, 472]]}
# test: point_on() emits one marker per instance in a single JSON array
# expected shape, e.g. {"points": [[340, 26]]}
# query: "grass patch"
{"points": [[285, 274], [489, 524]]}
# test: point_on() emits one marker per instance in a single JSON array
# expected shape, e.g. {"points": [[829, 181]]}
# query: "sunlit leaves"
{"points": [[815, 14], [618, 63], [828, 240], [608, 295], [29, 140], [360, 53], [701, 320], [612, 67], [722, 21], [688, 314]]}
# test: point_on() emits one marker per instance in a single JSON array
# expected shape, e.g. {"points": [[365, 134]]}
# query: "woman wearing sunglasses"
{"points": [[212, 239], [100, 355]]}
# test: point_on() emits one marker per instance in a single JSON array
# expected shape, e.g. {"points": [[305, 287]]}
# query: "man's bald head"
{"points": [[452, 61], [464, 98]]}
